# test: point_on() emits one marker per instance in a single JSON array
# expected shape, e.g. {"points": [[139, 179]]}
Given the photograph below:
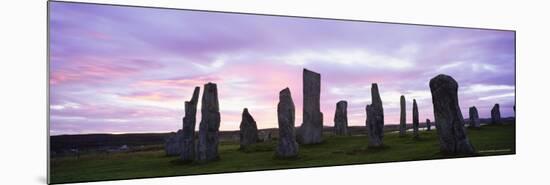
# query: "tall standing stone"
{"points": [[495, 114], [403, 118], [310, 132], [375, 118], [287, 146], [341, 118], [189, 122], [448, 117], [207, 149], [415, 119], [474, 117], [428, 125], [248, 130]]}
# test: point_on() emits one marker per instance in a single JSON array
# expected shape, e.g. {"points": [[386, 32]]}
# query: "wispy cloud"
{"points": [[125, 69]]}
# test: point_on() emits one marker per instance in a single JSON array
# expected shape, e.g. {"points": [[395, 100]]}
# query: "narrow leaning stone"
{"points": [[188, 130], [341, 118], [415, 119], [207, 149], [448, 117], [310, 132], [403, 118], [375, 118], [287, 147]]}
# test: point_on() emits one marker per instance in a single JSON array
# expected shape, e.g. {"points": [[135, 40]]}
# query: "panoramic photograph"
{"points": [[141, 92]]}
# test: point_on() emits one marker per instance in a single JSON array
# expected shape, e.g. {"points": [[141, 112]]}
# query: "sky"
{"points": [[117, 69]]}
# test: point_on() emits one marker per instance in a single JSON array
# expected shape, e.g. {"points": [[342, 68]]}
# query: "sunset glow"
{"points": [[120, 69]]}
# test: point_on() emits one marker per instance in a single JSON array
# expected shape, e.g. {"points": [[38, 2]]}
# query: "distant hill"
{"points": [[62, 143]]}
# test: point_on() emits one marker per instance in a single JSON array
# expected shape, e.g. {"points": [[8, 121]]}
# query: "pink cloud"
{"points": [[151, 96], [176, 83], [93, 69]]}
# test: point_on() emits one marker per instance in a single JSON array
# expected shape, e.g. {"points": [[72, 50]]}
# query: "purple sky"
{"points": [[126, 69]]}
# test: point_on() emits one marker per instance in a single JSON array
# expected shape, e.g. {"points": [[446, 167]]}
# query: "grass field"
{"points": [[335, 150]]}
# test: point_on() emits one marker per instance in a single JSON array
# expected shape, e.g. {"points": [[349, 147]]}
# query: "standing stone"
{"points": [[474, 117], [341, 118], [375, 118], [188, 131], [428, 125], [415, 120], [495, 114], [207, 149], [287, 146], [172, 143], [311, 130], [448, 117], [265, 136], [403, 120], [248, 130]]}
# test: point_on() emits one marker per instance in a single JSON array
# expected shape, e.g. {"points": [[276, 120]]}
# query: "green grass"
{"points": [[335, 150]]}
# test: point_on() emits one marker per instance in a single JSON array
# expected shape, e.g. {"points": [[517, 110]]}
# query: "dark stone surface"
{"points": [[375, 118], [248, 133], [448, 117], [495, 114], [310, 132], [415, 119], [341, 118], [428, 125], [287, 147], [172, 143], [265, 136], [207, 149], [474, 117], [188, 131], [403, 117]]}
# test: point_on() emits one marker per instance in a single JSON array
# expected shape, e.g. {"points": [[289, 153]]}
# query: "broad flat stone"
{"points": [[310, 132], [172, 143]]}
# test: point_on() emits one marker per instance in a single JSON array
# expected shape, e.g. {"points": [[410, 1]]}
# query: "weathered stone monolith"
{"points": [[310, 132], [207, 149], [403, 118], [448, 117], [172, 143], [287, 147], [375, 118], [189, 122], [495, 114], [474, 117], [415, 120], [248, 133], [341, 118], [265, 136], [428, 125]]}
